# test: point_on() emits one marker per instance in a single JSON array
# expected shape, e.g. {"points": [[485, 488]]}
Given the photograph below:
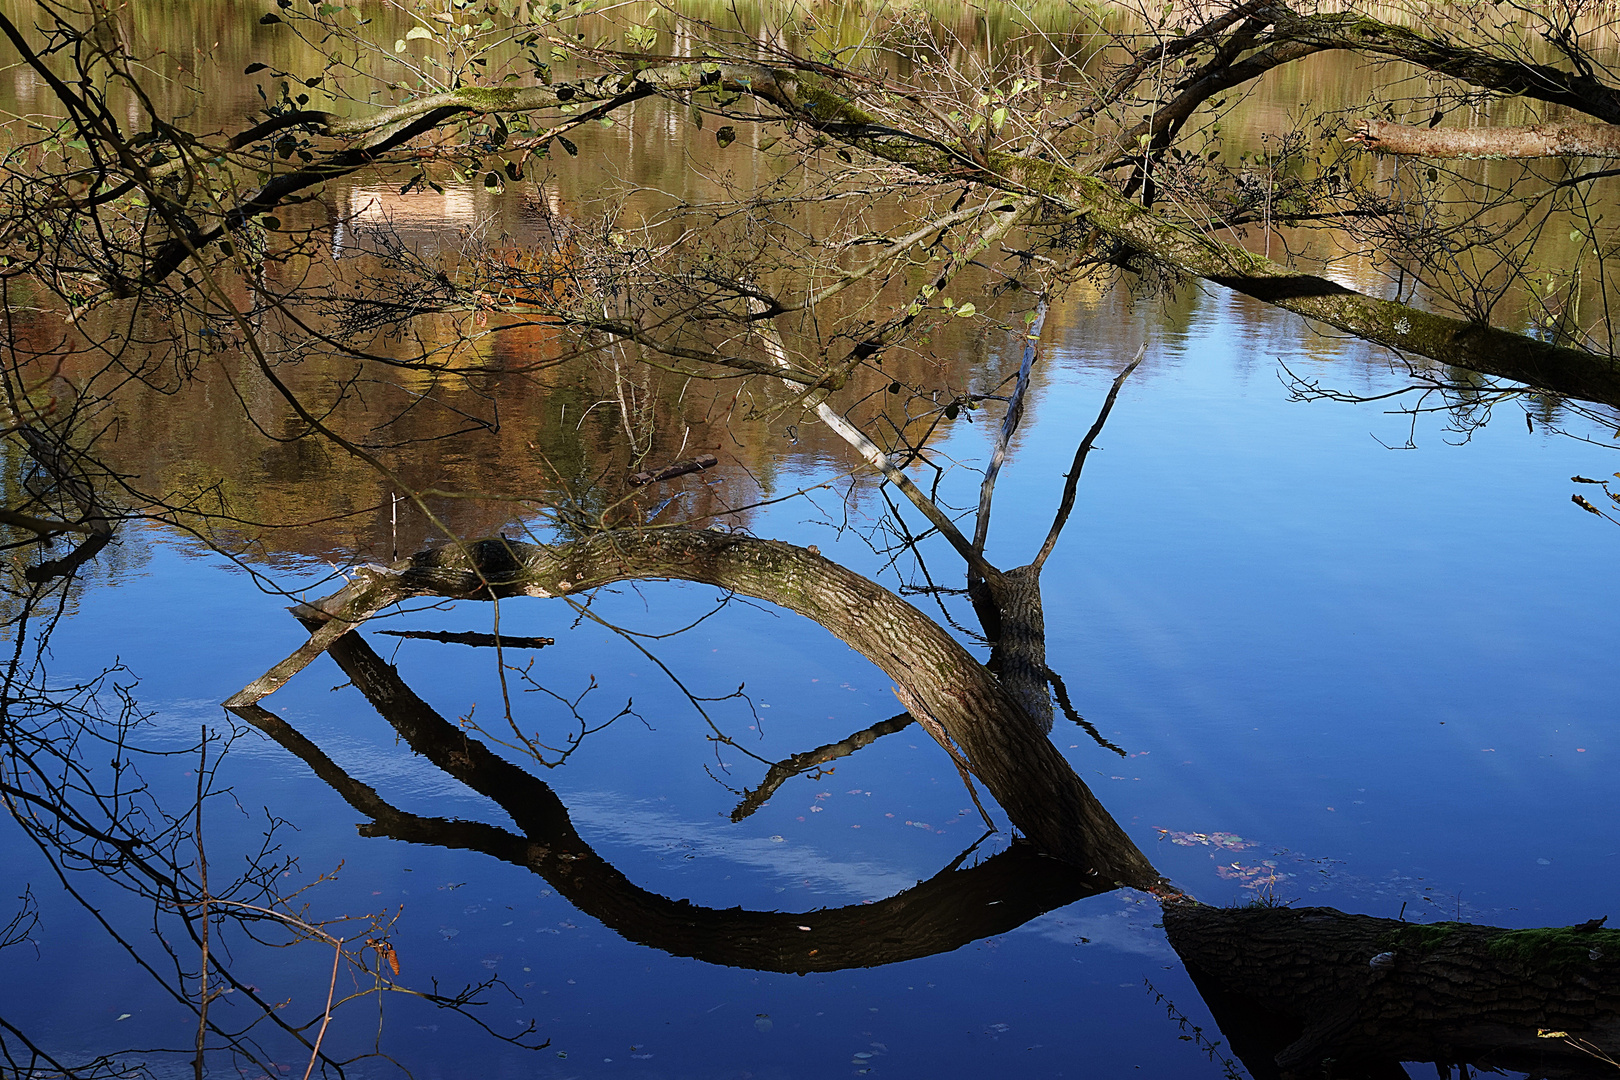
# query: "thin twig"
{"points": [[1073, 478], [1009, 425]]}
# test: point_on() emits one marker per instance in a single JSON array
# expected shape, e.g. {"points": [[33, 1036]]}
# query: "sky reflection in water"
{"points": [[1378, 671]]}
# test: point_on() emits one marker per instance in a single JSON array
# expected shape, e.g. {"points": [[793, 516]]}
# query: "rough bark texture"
{"points": [[1019, 659], [1310, 985], [1033, 782], [943, 913], [1532, 141]]}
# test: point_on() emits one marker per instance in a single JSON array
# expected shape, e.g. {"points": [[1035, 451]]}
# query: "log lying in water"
{"points": [[1308, 992], [1023, 770]]}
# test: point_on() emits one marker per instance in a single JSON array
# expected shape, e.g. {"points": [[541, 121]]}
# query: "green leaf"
{"points": [[399, 45], [999, 117], [417, 32], [965, 310], [725, 136]]}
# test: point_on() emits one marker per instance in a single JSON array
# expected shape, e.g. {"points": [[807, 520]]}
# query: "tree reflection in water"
{"points": [[1300, 992]]}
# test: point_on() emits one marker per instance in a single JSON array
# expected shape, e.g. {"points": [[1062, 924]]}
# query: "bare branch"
{"points": [[1072, 480]]}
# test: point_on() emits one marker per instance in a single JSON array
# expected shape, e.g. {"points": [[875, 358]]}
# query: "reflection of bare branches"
{"points": [[1467, 400], [1068, 708], [473, 637], [585, 727], [787, 769], [21, 926], [950, 909], [52, 456]]}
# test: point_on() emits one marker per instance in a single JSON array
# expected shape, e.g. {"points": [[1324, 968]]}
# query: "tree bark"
{"points": [[1023, 770], [1532, 141], [1302, 986]]}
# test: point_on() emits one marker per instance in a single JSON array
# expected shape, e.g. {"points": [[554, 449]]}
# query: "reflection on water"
{"points": [[1333, 674], [1258, 633]]}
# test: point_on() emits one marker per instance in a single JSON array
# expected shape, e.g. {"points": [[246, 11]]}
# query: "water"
{"points": [[1338, 671], [1367, 673]]}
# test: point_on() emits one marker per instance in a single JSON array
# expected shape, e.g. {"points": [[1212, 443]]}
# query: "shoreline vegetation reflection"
{"points": [[506, 302]]}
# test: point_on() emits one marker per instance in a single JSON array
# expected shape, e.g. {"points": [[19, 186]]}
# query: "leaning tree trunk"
{"points": [[1023, 770], [1308, 992]]}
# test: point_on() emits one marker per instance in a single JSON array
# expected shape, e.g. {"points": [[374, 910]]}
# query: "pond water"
{"points": [[1329, 654], [1342, 674]]}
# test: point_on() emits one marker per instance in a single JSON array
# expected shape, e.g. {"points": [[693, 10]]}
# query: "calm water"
{"points": [[1340, 674], [1378, 671]]}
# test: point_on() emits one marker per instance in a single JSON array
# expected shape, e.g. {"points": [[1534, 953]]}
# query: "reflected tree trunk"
{"points": [[947, 911]]}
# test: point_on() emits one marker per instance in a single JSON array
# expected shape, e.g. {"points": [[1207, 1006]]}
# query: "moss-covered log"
{"points": [[1309, 992]]}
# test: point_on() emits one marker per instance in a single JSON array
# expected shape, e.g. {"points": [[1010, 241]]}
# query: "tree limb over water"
{"points": [[1008, 753]]}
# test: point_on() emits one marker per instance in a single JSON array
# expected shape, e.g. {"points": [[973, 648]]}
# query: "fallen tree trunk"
{"points": [[1023, 770], [1296, 988], [1532, 141]]}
